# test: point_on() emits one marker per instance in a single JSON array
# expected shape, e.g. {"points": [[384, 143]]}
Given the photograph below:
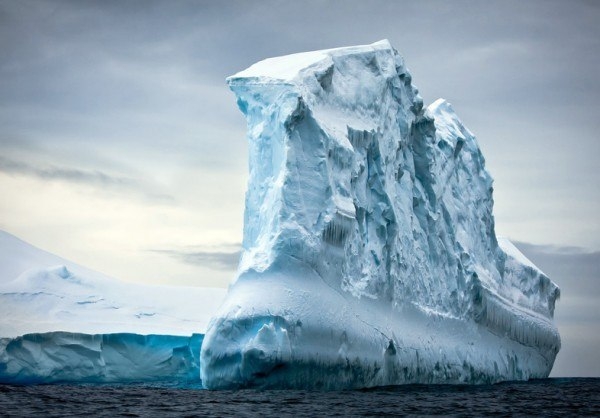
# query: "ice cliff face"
{"points": [[100, 358], [369, 253]]}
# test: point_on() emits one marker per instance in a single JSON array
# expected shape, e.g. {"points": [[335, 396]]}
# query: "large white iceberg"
{"points": [[369, 253], [63, 322]]}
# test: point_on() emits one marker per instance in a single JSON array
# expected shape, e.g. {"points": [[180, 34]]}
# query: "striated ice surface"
{"points": [[369, 252], [103, 358]]}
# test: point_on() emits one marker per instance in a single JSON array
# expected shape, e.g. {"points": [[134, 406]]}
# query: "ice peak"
{"points": [[440, 105]]}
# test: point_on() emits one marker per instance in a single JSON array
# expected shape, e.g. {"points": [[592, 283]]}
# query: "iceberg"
{"points": [[63, 322], [369, 252]]}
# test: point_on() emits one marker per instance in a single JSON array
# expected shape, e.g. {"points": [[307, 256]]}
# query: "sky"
{"points": [[122, 149]]}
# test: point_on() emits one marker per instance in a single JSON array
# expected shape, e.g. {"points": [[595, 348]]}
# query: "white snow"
{"points": [[512, 251], [369, 253], [53, 294], [287, 67]]}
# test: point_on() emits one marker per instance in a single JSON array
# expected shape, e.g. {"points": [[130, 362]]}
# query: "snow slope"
{"points": [[40, 292], [369, 253], [61, 321]]}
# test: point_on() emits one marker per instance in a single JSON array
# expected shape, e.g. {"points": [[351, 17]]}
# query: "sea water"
{"points": [[548, 397]]}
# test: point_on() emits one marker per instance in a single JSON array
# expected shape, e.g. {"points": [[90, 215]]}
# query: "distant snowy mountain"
{"points": [[62, 321], [40, 292]]}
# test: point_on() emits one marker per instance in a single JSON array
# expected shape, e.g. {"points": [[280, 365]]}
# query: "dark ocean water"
{"points": [[550, 397]]}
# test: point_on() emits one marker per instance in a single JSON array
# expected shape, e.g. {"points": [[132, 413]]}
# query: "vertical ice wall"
{"points": [[355, 187]]}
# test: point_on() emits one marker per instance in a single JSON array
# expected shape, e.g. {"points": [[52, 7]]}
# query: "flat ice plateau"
{"points": [[369, 252], [63, 322]]}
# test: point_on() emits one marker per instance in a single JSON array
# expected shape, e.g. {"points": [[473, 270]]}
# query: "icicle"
{"points": [[524, 327]]}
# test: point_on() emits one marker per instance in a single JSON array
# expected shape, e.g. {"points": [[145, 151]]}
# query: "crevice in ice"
{"points": [[360, 138], [337, 230]]}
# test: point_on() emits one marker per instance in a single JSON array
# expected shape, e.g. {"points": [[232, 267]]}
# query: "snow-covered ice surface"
{"points": [[61, 321], [369, 253]]}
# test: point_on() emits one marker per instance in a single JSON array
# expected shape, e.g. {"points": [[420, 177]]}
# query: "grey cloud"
{"points": [[91, 177], [220, 260], [59, 173], [89, 57], [136, 77]]}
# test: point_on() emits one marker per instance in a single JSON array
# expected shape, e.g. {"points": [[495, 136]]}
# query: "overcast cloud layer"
{"points": [[122, 149]]}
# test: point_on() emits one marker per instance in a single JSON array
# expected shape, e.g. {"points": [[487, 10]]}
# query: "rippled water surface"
{"points": [[550, 397]]}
